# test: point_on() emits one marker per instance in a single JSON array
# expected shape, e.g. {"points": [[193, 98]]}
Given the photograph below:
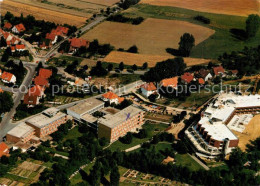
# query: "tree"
{"points": [[114, 177], [5, 56], [145, 65], [121, 66], [133, 49], [252, 25], [3, 42], [134, 67], [6, 102], [186, 43], [110, 67]]}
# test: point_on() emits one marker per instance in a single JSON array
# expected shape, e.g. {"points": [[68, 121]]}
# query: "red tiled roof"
{"points": [[120, 99], [12, 48], [20, 27], [110, 95], [8, 25], [50, 36], [1, 90], [77, 42], [201, 81], [4, 150], [218, 70], [7, 76], [36, 91], [170, 82], [149, 86], [40, 81], [187, 77], [234, 71], [203, 72], [30, 100], [45, 73], [19, 47], [62, 29]]}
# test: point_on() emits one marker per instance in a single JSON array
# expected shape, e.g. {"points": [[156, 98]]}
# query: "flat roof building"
{"points": [[114, 126], [47, 122], [212, 135], [89, 106], [20, 133]]}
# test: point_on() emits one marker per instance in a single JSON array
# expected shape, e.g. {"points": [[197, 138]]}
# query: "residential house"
{"points": [[34, 95], [18, 28], [201, 81], [112, 98], [7, 26], [59, 31], [76, 43], [20, 47], [234, 72], [187, 77], [52, 37], [219, 70], [4, 149], [8, 77], [45, 73], [148, 89], [41, 81], [204, 74], [170, 82]]}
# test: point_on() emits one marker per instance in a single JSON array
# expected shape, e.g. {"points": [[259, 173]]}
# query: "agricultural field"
{"points": [[225, 38], [57, 16], [153, 36], [251, 132], [231, 7], [140, 59]]}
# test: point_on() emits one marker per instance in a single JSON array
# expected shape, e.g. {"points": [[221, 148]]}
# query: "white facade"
{"points": [[208, 77], [14, 30], [147, 93]]}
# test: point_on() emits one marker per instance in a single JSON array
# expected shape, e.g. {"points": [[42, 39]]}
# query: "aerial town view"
{"points": [[129, 92]]}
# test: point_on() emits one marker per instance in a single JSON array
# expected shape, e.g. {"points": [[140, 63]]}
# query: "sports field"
{"points": [[43, 13], [140, 59], [231, 7], [251, 132], [152, 36]]}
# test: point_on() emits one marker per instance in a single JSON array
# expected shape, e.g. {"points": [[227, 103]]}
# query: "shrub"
{"points": [[202, 19]]}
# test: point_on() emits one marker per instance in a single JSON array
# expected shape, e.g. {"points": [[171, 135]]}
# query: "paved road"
{"points": [[139, 72], [5, 124]]}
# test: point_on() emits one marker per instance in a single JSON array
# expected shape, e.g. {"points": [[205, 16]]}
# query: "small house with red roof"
{"points": [[234, 72], [204, 74], [59, 31], [170, 82], [8, 77], [76, 43], [112, 98], [148, 89], [34, 95], [201, 81], [187, 77], [20, 47], [7, 26], [45, 73], [18, 28], [41, 81], [52, 37], [219, 70], [4, 149]]}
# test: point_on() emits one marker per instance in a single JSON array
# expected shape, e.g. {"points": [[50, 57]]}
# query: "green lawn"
{"points": [[59, 61], [152, 129], [222, 41], [186, 160], [126, 78], [73, 134]]}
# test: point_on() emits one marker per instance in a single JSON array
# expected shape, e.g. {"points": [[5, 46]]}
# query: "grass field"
{"points": [[187, 161], [251, 132], [152, 129], [222, 41], [46, 12], [232, 7], [140, 59], [152, 36]]}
